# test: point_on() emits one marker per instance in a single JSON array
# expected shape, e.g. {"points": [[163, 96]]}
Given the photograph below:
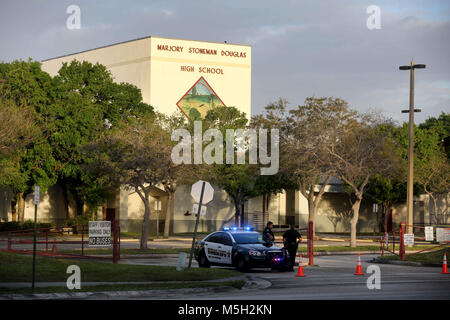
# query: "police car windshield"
{"points": [[247, 238]]}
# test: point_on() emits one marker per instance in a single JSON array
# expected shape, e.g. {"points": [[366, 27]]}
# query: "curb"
{"points": [[405, 263], [251, 283], [337, 253], [113, 294]]}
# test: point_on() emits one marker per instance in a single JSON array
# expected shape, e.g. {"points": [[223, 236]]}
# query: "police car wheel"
{"points": [[203, 261], [241, 264]]}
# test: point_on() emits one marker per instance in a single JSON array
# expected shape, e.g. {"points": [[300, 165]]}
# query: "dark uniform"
{"points": [[291, 243], [267, 232]]}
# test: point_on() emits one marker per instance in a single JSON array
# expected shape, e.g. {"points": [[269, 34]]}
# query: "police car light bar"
{"points": [[236, 228]]}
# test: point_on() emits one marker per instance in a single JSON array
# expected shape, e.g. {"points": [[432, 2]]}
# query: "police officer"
{"points": [[290, 242], [268, 235]]}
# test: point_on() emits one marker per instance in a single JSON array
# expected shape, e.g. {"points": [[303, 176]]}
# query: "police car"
{"points": [[242, 248]]}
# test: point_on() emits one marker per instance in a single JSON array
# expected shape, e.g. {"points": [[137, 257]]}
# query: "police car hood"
{"points": [[259, 246]]}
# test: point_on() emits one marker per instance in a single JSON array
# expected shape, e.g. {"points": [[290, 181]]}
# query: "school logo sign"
{"points": [[198, 100]]}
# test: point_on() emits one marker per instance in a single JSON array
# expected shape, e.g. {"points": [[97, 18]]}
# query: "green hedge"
{"points": [[29, 224]]}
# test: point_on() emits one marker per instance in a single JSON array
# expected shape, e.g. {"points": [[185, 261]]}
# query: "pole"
{"points": [[196, 223], [34, 248], [409, 195], [116, 241], [402, 241], [157, 224], [311, 243], [82, 240]]}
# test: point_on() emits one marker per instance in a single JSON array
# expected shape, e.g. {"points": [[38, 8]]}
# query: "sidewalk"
{"points": [[63, 284]]}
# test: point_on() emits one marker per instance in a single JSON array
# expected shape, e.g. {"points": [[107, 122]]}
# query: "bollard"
{"points": [[402, 243], [116, 232], [182, 256], [54, 247], [311, 243], [82, 240], [9, 242], [393, 242]]}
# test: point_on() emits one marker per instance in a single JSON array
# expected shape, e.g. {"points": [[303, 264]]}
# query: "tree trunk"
{"points": [[66, 201], [144, 231], [104, 206], [383, 217], [242, 216], [168, 214], [264, 209], [13, 211], [21, 207], [80, 206], [237, 213], [354, 221], [437, 217]]}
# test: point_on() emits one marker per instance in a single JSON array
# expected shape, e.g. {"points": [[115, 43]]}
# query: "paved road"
{"points": [[333, 279]]}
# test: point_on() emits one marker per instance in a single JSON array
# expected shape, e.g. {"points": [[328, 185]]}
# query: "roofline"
{"points": [[141, 38]]}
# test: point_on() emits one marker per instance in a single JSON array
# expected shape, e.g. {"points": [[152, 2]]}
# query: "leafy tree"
{"points": [[441, 126], [359, 151], [88, 103], [135, 153], [267, 185], [17, 129], [431, 164], [306, 142], [386, 191], [389, 188], [29, 88], [238, 180], [173, 174], [434, 175]]}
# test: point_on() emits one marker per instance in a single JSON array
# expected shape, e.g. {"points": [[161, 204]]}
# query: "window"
{"points": [[248, 238], [224, 239], [213, 238]]}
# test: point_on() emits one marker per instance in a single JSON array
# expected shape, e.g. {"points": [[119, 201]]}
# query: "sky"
{"points": [[299, 48]]}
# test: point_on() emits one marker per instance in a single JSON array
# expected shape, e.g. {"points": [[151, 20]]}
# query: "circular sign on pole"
{"points": [[208, 193]]}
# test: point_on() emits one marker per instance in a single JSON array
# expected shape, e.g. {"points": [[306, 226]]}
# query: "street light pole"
{"points": [[410, 181]]}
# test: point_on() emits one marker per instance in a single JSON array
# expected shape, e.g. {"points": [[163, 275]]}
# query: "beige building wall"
{"points": [[166, 69], [50, 208], [127, 62], [5, 204], [219, 212]]}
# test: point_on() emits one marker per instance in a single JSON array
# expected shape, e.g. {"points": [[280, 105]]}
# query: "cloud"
{"points": [[299, 48]]}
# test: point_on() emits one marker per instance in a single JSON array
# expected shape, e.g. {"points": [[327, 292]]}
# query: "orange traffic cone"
{"points": [[300, 267], [444, 264], [358, 267]]}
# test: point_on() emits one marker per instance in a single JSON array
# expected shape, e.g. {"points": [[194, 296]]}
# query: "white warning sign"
{"points": [[429, 234], [408, 239], [99, 233]]}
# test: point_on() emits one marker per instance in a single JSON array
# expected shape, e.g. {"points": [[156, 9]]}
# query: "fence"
{"points": [[46, 238], [398, 237]]}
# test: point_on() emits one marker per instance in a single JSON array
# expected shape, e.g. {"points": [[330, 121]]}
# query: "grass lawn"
{"points": [[346, 248], [434, 256], [362, 248], [17, 268], [99, 251], [131, 287]]}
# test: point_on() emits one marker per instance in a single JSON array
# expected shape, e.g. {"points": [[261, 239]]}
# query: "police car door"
{"points": [[226, 245], [211, 247]]}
